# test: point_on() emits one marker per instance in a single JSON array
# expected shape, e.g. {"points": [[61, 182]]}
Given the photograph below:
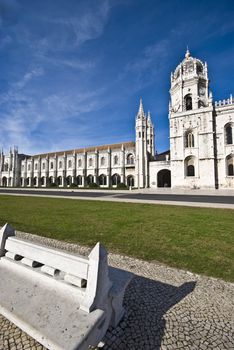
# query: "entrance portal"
{"points": [[164, 178]]}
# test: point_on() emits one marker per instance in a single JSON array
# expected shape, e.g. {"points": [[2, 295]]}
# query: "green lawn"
{"points": [[196, 239]]}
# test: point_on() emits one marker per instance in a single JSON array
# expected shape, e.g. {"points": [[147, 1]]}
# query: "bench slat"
{"points": [[68, 263]]}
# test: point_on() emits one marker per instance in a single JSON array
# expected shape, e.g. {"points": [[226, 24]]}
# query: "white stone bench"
{"points": [[63, 300]]}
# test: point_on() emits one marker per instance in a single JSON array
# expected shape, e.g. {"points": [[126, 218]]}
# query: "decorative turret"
{"points": [[189, 85], [150, 135], [141, 113]]}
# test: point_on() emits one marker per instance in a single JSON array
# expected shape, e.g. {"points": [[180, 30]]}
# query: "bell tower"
{"points": [[189, 85], [191, 125]]}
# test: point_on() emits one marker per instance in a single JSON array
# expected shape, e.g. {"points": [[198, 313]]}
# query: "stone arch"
{"points": [[130, 181], [228, 133], [102, 180], [189, 138], [51, 180], [190, 166], [230, 165], [130, 159], [115, 179], [79, 180], [90, 179], [188, 102], [164, 178], [4, 181], [59, 181], [68, 180]]}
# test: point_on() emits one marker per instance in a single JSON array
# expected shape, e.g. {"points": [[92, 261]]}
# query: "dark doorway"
{"points": [[164, 178]]}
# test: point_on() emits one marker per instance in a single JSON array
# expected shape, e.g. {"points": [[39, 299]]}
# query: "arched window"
{"points": [[190, 166], [79, 180], [28, 167], [51, 165], [102, 180], [43, 166], [188, 102], [35, 166], [230, 165], [59, 180], [190, 170], [130, 159], [51, 180], [43, 181], [189, 139], [90, 162], [69, 180], [34, 181], [115, 179], [60, 164], [27, 181], [79, 163], [130, 181], [90, 179], [6, 167], [228, 134], [4, 181], [69, 164], [102, 160], [116, 160]]}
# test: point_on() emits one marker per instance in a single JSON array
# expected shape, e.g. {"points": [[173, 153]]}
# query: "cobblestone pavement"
{"points": [[166, 309]]}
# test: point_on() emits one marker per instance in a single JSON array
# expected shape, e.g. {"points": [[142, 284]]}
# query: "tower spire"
{"points": [[187, 54], [149, 118], [141, 109]]}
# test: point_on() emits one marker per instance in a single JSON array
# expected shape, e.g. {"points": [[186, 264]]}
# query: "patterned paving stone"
{"points": [[166, 309]]}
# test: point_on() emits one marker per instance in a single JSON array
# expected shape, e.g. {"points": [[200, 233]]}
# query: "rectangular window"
{"points": [[139, 134]]}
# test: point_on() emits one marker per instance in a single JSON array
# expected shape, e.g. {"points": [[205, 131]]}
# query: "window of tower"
{"points": [[189, 139], [90, 162], [102, 160], [60, 164], [116, 160], [188, 102], [190, 166], [51, 165], [139, 134], [79, 163], [229, 134]]}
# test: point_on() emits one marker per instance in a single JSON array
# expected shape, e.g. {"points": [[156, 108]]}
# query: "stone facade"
{"points": [[201, 147]]}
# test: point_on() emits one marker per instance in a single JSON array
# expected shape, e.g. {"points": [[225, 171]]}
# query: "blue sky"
{"points": [[73, 71]]}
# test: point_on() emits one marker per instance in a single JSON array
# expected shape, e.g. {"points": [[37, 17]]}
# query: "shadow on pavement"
{"points": [[146, 302]]}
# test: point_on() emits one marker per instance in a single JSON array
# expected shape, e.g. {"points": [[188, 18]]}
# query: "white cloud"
{"points": [[35, 72]]}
